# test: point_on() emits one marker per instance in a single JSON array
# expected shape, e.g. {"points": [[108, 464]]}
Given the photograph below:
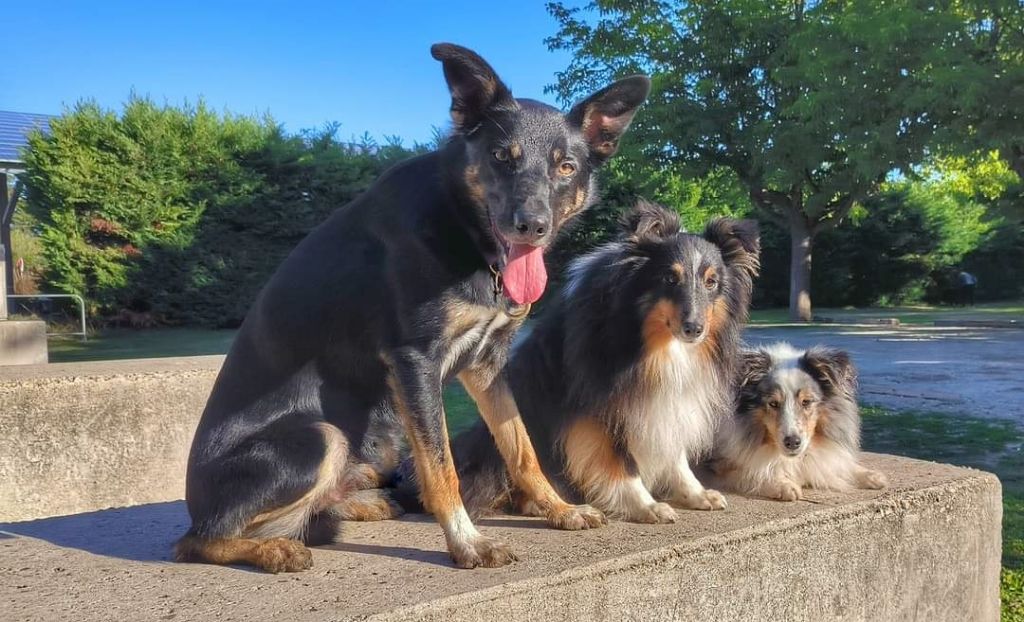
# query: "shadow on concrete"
{"points": [[436, 558], [142, 533], [146, 533]]}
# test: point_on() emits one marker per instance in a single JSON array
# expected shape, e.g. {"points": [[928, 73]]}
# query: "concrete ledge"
{"points": [[23, 342], [82, 437], [86, 436], [928, 549]]}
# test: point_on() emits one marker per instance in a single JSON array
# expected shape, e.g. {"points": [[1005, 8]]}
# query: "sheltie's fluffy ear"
{"points": [[649, 222], [832, 369], [754, 367], [739, 241]]}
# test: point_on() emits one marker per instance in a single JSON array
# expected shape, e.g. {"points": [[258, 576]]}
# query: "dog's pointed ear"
{"points": [[739, 241], [604, 116], [648, 222], [754, 367], [832, 368], [473, 84]]}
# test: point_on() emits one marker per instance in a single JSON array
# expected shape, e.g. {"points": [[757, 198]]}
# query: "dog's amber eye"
{"points": [[566, 169], [501, 155]]}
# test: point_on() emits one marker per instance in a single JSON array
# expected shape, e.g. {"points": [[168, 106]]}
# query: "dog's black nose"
{"points": [[692, 330], [792, 442], [530, 226]]}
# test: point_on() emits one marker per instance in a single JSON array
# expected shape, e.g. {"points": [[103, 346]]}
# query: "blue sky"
{"points": [[364, 64]]}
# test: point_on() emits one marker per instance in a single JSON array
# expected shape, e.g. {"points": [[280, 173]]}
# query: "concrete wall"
{"points": [[22, 342], [76, 438], [86, 436]]}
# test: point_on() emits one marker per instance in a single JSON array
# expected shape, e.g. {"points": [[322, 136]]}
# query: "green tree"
{"points": [[811, 104]]}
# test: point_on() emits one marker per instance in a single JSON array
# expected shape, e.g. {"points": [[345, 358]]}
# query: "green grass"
{"points": [[991, 444], [140, 344], [914, 314]]}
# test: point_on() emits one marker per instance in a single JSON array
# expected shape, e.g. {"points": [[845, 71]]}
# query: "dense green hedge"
{"points": [[182, 213]]}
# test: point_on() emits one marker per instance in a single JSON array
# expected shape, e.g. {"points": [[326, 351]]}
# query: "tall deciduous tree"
{"points": [[811, 104]]}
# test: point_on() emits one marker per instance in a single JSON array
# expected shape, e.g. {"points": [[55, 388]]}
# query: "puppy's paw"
{"points": [[875, 480], [704, 500], [787, 490], [658, 513], [576, 517], [481, 551], [283, 555]]}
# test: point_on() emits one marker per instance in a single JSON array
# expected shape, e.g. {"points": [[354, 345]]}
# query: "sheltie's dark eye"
{"points": [[672, 278], [501, 155], [806, 402], [773, 404], [711, 283]]}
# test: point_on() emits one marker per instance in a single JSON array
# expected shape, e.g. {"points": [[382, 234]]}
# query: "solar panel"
{"points": [[14, 127]]}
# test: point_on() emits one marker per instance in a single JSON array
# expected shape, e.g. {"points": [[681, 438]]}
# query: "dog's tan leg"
{"points": [[688, 492], [371, 504], [273, 555], [417, 398], [597, 469], [498, 409]]}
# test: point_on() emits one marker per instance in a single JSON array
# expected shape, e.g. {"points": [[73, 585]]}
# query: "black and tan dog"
{"points": [[423, 278], [624, 378]]}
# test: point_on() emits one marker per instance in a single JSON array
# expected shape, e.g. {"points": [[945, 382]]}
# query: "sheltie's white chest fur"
{"points": [[673, 407]]}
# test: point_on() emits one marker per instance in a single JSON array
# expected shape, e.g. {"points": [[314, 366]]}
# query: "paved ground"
{"points": [[977, 370]]}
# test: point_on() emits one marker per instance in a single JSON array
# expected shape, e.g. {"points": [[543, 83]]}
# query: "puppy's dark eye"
{"points": [[566, 169], [672, 278], [773, 404], [711, 283], [501, 155], [806, 402]]}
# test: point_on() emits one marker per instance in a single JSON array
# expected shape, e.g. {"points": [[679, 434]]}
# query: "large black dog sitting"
{"points": [[423, 278]]}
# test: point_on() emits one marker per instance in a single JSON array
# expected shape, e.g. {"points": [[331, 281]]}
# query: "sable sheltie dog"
{"points": [[622, 380], [796, 424]]}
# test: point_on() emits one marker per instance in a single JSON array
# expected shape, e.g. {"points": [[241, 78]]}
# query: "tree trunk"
{"points": [[801, 238]]}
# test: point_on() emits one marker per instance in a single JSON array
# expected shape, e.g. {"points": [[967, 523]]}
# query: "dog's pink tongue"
{"points": [[524, 275]]}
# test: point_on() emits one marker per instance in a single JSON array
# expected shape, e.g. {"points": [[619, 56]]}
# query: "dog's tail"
{"points": [[484, 482]]}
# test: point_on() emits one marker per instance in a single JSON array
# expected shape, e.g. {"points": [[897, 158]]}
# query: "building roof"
{"points": [[14, 129]]}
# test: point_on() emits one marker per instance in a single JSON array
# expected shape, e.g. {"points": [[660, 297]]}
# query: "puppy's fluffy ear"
{"points": [[649, 222], [604, 116], [832, 369], [739, 241], [754, 367], [473, 84]]}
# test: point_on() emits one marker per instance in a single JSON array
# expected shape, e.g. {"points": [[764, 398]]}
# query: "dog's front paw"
{"points": [[283, 555], [787, 490], [576, 517], [657, 513], [704, 500], [481, 551], [875, 480]]}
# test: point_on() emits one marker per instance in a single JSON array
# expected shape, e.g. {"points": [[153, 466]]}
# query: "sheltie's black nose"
{"points": [[792, 442], [692, 330]]}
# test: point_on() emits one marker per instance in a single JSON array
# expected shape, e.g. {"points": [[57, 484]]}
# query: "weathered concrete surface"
{"points": [[22, 342], [927, 549], [86, 436], [977, 371]]}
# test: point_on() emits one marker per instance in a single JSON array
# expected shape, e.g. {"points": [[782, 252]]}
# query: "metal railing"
{"points": [[81, 311]]}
